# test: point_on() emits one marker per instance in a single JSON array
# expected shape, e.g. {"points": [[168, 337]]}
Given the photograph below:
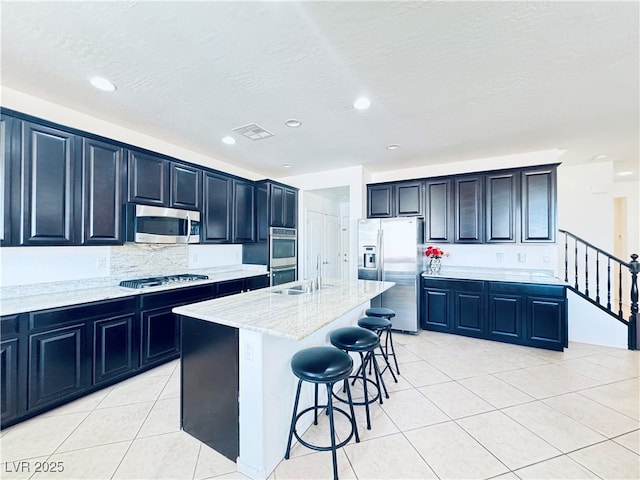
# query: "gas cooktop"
{"points": [[157, 281]]}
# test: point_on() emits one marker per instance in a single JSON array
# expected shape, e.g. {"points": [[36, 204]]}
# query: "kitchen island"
{"points": [[237, 388]]}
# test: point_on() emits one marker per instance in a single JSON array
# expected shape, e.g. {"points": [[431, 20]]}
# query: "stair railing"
{"points": [[619, 300]]}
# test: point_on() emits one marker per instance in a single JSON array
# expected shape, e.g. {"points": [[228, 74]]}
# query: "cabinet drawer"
{"points": [[453, 284], [10, 325], [178, 296], [75, 313], [527, 289]]}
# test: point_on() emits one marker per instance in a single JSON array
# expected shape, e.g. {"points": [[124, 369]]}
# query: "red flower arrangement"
{"points": [[435, 252]]}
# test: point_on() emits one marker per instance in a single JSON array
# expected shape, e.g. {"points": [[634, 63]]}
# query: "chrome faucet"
{"points": [[319, 272]]}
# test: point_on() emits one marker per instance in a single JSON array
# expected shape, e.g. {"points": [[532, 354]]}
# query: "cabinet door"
{"points": [[501, 207], [435, 309], [546, 323], [58, 367], [102, 167], [160, 336], [186, 189], [469, 210], [439, 212], [218, 195], [277, 205], [9, 380], [290, 209], [148, 179], [115, 352], [506, 317], [50, 212], [469, 313], [262, 212], [243, 212], [9, 165], [539, 205], [409, 199], [380, 201]]}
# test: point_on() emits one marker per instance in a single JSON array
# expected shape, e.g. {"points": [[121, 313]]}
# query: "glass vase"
{"points": [[434, 265]]}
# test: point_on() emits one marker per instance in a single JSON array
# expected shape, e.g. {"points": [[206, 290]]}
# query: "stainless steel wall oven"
{"points": [[283, 254]]}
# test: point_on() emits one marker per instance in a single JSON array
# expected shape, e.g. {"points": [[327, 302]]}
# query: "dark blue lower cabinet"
{"points": [[506, 317], [9, 386], [115, 350], [435, 309], [469, 309], [546, 327], [525, 314], [58, 365]]}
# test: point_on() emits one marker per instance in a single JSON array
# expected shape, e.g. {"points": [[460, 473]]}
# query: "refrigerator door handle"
{"points": [[381, 254]]}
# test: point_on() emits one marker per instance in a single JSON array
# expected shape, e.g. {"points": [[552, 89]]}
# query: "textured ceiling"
{"points": [[448, 81]]}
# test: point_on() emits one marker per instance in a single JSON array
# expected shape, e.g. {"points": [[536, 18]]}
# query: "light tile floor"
{"points": [[462, 409]]}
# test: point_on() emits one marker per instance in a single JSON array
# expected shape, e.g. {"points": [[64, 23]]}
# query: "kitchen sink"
{"points": [[290, 291]]}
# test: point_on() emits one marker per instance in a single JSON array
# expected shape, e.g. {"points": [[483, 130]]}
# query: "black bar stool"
{"points": [[327, 366], [364, 342], [379, 325], [388, 314]]}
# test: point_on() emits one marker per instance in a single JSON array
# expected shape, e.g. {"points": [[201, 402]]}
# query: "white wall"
{"points": [[541, 157], [21, 102], [589, 324], [585, 202]]}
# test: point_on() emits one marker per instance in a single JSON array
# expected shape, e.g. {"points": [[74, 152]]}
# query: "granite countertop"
{"points": [[289, 316], [67, 295], [496, 275]]}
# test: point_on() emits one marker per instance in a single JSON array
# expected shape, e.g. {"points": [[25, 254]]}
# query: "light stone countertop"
{"points": [[79, 295], [290, 316], [496, 275]]}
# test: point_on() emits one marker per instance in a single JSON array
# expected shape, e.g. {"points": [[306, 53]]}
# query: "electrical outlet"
{"points": [[522, 257], [101, 263], [499, 257], [194, 258]]}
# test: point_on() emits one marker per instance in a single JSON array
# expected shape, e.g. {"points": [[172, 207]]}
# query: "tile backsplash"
{"points": [[101, 265]]}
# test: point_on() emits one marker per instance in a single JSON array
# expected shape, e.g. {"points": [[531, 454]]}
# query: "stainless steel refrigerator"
{"points": [[390, 249]]}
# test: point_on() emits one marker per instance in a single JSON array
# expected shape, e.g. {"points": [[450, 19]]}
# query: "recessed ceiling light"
{"points": [[286, 165], [600, 157], [293, 123], [362, 103], [625, 173], [102, 84], [393, 146], [228, 140]]}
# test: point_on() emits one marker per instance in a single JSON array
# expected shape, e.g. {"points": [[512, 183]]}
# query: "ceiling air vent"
{"points": [[253, 131]]}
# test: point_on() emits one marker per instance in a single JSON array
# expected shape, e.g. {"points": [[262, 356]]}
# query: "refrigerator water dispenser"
{"points": [[369, 253]]}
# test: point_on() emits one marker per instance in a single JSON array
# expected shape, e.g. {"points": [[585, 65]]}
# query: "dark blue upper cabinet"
{"points": [[148, 179], [102, 187], [186, 186], [539, 204], [51, 173]]}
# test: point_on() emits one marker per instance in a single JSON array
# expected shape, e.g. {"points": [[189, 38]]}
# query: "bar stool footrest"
{"points": [[318, 447]]}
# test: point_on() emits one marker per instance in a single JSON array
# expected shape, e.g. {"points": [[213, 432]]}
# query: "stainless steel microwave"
{"points": [[149, 224]]}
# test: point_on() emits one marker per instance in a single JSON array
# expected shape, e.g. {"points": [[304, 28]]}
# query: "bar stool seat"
{"points": [[380, 312], [388, 350], [322, 365], [364, 342]]}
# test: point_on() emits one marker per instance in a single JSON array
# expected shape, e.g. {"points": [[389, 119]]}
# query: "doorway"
{"points": [[326, 240], [620, 250]]}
